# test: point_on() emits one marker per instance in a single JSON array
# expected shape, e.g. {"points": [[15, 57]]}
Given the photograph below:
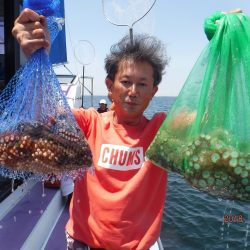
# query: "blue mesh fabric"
{"points": [[43, 7], [38, 134]]}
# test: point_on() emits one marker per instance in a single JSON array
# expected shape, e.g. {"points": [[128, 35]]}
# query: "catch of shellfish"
{"points": [[38, 148], [207, 162]]}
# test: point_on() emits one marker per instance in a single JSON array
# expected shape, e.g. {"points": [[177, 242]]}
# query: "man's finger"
{"points": [[38, 34], [30, 46], [28, 15]]}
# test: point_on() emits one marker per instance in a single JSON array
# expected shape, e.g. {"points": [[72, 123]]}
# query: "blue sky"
{"points": [[178, 23]]}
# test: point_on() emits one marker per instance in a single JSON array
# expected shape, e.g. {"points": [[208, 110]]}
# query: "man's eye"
{"points": [[125, 82]]}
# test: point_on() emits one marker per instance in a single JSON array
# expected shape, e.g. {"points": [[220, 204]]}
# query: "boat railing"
{"points": [[74, 88]]}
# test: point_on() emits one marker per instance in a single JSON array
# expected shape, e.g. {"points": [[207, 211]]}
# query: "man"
{"points": [[102, 106], [120, 206]]}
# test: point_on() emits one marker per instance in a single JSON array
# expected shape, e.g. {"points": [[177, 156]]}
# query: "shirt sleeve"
{"points": [[84, 118]]}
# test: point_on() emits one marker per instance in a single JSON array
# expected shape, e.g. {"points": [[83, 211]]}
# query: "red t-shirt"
{"points": [[120, 204]]}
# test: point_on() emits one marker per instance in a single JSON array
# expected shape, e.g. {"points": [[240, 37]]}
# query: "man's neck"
{"points": [[129, 121]]}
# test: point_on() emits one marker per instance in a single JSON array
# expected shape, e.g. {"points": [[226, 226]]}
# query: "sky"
{"points": [[177, 23]]}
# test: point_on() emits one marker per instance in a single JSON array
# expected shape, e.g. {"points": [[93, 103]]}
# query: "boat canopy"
{"points": [[58, 53]]}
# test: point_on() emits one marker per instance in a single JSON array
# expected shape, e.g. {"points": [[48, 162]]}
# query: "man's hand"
{"points": [[234, 11], [230, 12], [30, 30]]}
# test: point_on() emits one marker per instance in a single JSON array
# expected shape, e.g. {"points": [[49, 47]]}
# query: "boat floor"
{"points": [[34, 217]]}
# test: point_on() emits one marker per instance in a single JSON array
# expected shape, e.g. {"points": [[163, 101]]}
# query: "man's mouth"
{"points": [[131, 103]]}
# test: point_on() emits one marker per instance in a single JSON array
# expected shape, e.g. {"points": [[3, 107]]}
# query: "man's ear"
{"points": [[155, 89], [109, 84]]}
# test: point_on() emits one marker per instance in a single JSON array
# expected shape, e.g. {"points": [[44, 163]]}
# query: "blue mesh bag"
{"points": [[38, 133]]}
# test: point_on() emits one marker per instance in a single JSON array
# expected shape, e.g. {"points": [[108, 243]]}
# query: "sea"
{"points": [[194, 220]]}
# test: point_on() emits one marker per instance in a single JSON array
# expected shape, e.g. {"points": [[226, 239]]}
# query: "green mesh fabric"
{"points": [[206, 136], [210, 24]]}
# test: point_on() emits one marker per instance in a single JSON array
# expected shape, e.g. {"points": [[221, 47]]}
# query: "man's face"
{"points": [[132, 90], [103, 106]]}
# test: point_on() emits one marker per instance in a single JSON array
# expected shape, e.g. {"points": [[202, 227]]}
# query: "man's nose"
{"points": [[133, 90]]}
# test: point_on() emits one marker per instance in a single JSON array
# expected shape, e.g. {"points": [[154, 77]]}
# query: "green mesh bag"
{"points": [[206, 136]]}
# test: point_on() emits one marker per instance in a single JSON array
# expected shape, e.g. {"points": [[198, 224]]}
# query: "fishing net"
{"points": [[126, 12], [206, 136], [38, 133]]}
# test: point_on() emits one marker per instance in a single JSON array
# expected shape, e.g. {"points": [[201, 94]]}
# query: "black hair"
{"points": [[144, 48]]}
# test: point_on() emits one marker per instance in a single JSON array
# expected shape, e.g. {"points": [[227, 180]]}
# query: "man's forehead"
{"points": [[130, 65]]}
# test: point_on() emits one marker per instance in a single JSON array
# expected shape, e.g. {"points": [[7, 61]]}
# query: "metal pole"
{"points": [[82, 84], [92, 93], [131, 35]]}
